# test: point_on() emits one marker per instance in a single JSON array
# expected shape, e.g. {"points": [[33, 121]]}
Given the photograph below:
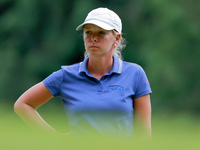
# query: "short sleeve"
{"points": [[53, 82], [143, 85]]}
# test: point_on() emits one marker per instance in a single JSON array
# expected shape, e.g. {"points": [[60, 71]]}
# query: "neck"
{"points": [[99, 66]]}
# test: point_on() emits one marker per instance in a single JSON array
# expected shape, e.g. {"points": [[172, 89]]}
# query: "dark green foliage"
{"points": [[38, 36]]}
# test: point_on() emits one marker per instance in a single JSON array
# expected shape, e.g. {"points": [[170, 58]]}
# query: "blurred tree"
{"points": [[165, 42], [38, 36]]}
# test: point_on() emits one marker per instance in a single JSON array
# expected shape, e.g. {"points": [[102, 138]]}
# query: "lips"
{"points": [[93, 46]]}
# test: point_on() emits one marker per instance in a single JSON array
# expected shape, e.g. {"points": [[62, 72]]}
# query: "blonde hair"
{"points": [[117, 50]]}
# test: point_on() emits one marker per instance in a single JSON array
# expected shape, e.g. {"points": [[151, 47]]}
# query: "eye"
{"points": [[102, 32], [87, 32]]}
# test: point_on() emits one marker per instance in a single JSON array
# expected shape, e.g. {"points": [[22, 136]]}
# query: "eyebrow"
{"points": [[86, 28]]}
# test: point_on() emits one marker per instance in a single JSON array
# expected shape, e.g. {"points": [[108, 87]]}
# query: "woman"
{"points": [[101, 93]]}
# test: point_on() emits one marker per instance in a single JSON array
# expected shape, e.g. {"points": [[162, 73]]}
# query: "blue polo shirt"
{"points": [[104, 106]]}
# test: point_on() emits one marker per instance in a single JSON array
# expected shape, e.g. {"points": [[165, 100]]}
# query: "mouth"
{"points": [[94, 47]]}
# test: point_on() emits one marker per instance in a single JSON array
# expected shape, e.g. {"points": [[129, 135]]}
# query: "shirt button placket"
{"points": [[99, 89]]}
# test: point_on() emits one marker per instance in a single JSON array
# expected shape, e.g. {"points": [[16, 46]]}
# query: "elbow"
{"points": [[17, 107], [21, 107]]}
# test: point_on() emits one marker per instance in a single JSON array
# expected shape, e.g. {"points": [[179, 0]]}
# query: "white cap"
{"points": [[104, 18]]}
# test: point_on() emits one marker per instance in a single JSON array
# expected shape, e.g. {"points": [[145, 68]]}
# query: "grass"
{"points": [[178, 132]]}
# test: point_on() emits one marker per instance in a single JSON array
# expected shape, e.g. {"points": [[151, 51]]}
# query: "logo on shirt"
{"points": [[115, 88], [147, 81]]}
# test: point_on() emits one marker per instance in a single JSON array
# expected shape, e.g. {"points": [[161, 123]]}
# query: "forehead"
{"points": [[92, 26]]}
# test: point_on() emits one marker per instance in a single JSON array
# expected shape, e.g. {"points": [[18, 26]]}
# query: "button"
{"points": [[99, 88]]}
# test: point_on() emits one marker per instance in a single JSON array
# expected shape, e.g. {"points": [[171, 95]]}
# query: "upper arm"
{"points": [[35, 96]]}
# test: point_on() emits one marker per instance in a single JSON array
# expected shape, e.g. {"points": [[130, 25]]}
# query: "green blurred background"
{"points": [[38, 36]]}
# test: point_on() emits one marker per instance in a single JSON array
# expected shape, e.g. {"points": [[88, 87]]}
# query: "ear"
{"points": [[118, 37]]}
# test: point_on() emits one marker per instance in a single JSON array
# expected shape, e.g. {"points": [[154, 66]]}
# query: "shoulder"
{"points": [[64, 70], [73, 67], [131, 67]]}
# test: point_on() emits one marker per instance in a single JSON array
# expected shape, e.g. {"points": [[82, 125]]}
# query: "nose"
{"points": [[94, 38]]}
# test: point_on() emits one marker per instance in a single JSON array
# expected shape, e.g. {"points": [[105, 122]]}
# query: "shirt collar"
{"points": [[116, 68]]}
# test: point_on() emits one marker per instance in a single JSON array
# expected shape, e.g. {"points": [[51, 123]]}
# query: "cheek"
{"points": [[84, 37], [85, 40], [85, 43], [109, 41]]}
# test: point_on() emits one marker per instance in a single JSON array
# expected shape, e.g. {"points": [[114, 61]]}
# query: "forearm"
{"points": [[143, 123], [32, 118], [142, 115], [27, 104]]}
